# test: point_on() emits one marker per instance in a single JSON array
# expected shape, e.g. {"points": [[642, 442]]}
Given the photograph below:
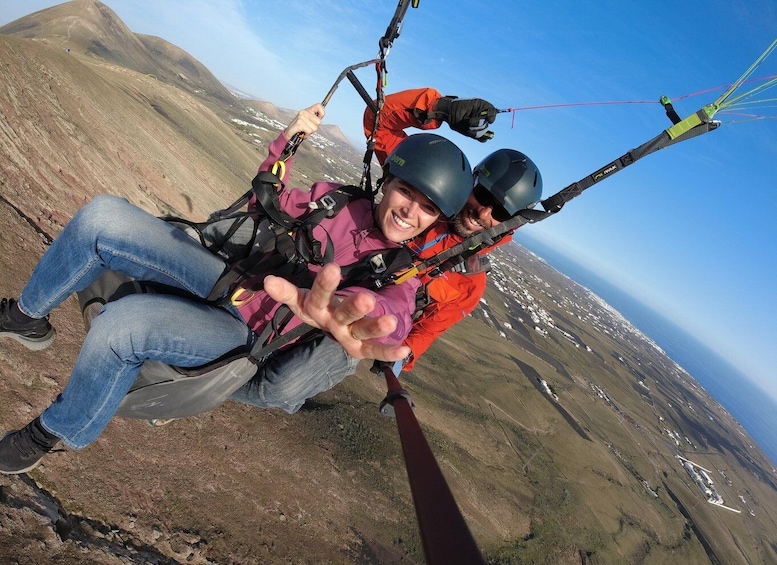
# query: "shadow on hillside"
{"points": [[535, 378]]}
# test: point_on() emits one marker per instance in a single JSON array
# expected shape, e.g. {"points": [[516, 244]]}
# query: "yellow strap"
{"points": [[410, 273]]}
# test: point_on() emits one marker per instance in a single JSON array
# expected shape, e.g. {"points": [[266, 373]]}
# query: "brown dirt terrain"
{"points": [[581, 478]]}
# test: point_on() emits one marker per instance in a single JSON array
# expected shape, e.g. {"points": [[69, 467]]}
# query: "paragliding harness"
{"points": [[260, 240], [285, 246]]}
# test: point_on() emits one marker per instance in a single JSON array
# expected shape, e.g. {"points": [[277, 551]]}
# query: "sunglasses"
{"points": [[486, 199]]}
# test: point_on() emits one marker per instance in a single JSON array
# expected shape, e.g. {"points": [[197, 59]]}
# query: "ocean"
{"points": [[755, 410]]}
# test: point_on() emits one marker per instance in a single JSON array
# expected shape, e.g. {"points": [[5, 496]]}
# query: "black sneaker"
{"points": [[22, 450], [33, 334]]}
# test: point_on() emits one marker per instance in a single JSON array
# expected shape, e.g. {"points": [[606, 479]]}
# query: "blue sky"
{"points": [[690, 231]]}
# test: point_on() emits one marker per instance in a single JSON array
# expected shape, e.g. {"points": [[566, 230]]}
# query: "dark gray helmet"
{"points": [[512, 178], [433, 165]]}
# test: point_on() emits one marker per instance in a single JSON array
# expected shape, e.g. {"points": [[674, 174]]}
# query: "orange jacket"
{"points": [[406, 109], [453, 296]]}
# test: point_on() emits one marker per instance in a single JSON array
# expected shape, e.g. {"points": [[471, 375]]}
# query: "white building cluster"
{"points": [[702, 479]]}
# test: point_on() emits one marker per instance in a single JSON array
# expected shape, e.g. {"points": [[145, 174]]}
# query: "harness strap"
{"points": [[374, 270], [239, 221], [265, 187], [231, 209], [260, 351], [295, 243], [238, 271]]}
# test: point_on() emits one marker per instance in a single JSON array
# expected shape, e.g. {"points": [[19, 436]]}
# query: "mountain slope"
{"points": [[73, 129], [87, 27], [91, 28]]}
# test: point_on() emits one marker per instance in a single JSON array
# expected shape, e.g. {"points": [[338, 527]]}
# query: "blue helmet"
{"points": [[436, 167], [512, 178]]}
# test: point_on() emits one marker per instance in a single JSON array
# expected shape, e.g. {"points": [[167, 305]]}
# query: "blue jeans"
{"points": [[287, 381], [110, 233]]}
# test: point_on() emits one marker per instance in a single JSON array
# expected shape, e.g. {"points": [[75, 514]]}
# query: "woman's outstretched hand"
{"points": [[344, 318]]}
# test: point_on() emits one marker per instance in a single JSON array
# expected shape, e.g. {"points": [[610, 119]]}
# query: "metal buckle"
{"points": [[378, 264], [326, 202]]}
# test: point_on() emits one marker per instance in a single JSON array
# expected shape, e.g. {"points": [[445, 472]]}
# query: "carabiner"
{"points": [[234, 298], [279, 166]]}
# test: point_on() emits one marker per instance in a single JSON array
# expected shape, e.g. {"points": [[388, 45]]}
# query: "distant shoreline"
{"points": [[751, 407]]}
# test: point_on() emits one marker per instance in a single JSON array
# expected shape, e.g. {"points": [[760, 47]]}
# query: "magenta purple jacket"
{"points": [[354, 235]]}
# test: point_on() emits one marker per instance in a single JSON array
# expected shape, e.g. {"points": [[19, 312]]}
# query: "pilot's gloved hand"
{"points": [[468, 116]]}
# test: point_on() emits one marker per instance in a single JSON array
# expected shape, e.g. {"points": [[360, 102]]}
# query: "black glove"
{"points": [[468, 116]]}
